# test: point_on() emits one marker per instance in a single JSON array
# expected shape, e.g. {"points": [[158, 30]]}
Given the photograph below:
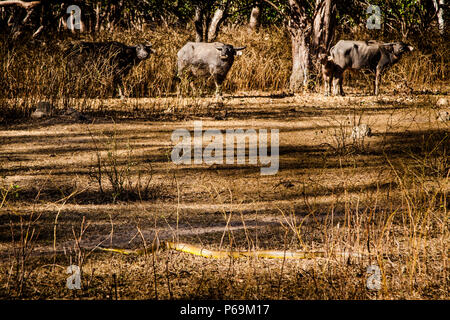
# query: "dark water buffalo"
{"points": [[329, 70], [109, 58], [207, 59], [372, 55]]}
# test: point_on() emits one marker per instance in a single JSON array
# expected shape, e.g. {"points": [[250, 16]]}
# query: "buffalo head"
{"points": [[143, 51], [228, 51], [323, 58], [398, 48]]}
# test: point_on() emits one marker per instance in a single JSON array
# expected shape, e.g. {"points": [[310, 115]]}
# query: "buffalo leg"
{"points": [[218, 81], [341, 89], [337, 86], [327, 80], [377, 81], [121, 95], [119, 88], [177, 79], [330, 81], [218, 90], [178, 89], [193, 89]]}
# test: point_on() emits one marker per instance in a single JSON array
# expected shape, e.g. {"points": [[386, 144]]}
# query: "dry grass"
{"points": [[34, 73]]}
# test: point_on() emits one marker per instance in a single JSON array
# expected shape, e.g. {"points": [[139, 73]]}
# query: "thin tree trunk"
{"points": [[219, 17], [24, 4], [439, 5], [97, 18], [115, 14], [198, 23], [214, 26], [255, 17]]}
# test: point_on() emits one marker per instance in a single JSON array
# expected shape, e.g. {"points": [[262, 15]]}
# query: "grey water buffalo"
{"points": [[372, 55], [207, 59], [109, 58]]}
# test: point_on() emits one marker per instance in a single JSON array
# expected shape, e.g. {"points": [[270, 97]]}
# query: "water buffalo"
{"points": [[329, 70], [109, 58], [207, 59], [372, 55]]}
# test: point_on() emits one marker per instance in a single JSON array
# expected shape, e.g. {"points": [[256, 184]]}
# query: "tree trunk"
{"points": [[214, 26], [255, 17], [300, 30], [308, 37], [301, 62], [218, 18], [198, 23], [439, 5], [23, 4], [115, 10], [207, 27], [323, 27], [97, 18]]}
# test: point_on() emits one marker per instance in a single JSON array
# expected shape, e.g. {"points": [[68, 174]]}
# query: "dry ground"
{"points": [[384, 197]]}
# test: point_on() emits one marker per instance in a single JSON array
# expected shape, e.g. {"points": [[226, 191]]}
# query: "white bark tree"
{"points": [[206, 27], [439, 5], [218, 18], [255, 17], [24, 4]]}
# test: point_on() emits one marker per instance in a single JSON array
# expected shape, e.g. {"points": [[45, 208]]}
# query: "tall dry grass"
{"points": [[35, 72]]}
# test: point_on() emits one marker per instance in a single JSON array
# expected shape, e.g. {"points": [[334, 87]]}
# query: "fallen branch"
{"points": [[218, 254], [23, 4]]}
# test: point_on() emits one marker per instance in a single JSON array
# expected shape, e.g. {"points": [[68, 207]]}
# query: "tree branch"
{"points": [[273, 5], [23, 4]]}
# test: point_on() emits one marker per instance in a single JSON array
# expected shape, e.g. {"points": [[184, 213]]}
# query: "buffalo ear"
{"points": [[148, 47], [322, 57], [237, 50]]}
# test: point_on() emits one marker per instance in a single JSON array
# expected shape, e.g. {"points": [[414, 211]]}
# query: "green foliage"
{"points": [[400, 17]]}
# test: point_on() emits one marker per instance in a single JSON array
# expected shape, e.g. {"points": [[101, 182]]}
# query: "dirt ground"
{"points": [[329, 192]]}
